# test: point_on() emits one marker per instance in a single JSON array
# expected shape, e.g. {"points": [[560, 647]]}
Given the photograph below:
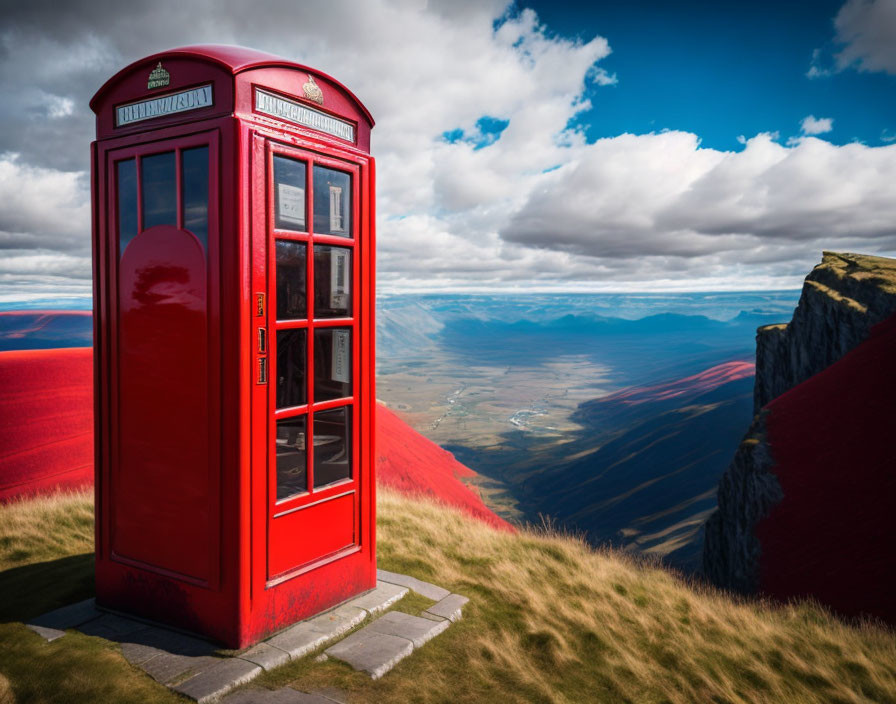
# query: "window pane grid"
{"points": [[328, 416]]}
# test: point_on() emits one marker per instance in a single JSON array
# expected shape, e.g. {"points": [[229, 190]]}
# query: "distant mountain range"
{"points": [[45, 329]]}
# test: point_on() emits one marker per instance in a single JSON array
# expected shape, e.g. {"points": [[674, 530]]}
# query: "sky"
{"points": [[530, 146]]}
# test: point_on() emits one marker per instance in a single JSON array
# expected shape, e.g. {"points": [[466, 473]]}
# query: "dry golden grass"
{"points": [[550, 620], [46, 527]]}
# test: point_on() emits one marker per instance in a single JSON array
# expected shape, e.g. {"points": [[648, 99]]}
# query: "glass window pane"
{"points": [[332, 202], [291, 301], [194, 164], [292, 472], [159, 190], [332, 363], [332, 446], [332, 282], [289, 194], [291, 351], [127, 202]]}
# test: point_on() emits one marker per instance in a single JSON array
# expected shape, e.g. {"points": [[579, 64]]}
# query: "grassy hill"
{"points": [[550, 620]]}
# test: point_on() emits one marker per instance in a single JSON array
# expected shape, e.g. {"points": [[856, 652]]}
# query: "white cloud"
{"points": [[43, 208], [816, 125], [637, 197]]}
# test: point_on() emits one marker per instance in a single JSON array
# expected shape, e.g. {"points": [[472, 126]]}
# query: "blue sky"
{"points": [[723, 69], [540, 146]]}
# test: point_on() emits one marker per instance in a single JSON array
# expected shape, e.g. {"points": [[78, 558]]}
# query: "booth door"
{"points": [[313, 360], [164, 477]]}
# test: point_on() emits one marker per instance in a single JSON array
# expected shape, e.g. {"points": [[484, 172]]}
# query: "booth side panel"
{"points": [[98, 265], [168, 467], [370, 422]]}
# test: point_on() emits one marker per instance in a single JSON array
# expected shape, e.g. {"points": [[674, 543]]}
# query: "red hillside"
{"points": [[412, 464], [832, 440], [46, 420], [700, 383]]}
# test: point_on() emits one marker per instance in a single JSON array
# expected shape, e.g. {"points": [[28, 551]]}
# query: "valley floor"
{"points": [[550, 620]]}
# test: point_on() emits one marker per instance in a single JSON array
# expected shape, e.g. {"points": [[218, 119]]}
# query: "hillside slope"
{"points": [[46, 420], [408, 462], [651, 487], [549, 620], [807, 505]]}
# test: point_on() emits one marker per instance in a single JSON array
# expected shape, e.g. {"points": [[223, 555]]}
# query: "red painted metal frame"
{"points": [[239, 602], [310, 324]]}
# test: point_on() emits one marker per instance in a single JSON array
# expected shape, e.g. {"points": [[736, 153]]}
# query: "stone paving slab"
{"points": [[450, 607], [112, 627], [380, 598], [371, 652], [68, 616], [285, 695], [430, 591], [217, 680], [337, 621], [169, 669], [301, 639], [169, 641], [48, 634], [266, 656], [192, 666], [138, 653], [413, 628], [331, 693]]}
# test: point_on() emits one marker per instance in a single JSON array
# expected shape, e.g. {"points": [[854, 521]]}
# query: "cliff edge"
{"points": [[805, 507], [843, 298]]}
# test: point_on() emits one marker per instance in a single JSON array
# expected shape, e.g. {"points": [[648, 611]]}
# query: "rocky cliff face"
{"points": [[747, 492], [843, 298]]}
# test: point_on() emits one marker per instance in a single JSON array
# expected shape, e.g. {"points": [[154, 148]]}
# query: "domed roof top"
{"points": [[235, 59]]}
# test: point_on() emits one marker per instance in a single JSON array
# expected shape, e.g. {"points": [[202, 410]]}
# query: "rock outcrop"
{"points": [[823, 381], [747, 492], [842, 299]]}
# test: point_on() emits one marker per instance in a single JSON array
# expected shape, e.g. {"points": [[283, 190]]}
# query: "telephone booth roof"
{"points": [[231, 58]]}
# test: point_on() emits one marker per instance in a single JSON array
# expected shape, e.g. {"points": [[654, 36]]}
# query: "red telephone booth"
{"points": [[233, 201]]}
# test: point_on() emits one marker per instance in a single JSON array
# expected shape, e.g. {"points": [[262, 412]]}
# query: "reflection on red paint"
{"points": [[161, 500]]}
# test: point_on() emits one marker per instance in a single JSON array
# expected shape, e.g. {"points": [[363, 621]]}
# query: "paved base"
{"points": [[194, 668]]}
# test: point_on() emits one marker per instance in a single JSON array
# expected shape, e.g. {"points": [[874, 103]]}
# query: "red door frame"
{"points": [[312, 497], [352, 569]]}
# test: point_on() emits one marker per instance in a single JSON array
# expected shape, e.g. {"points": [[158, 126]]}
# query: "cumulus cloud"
{"points": [[662, 195], [865, 32], [867, 28], [529, 204], [816, 125]]}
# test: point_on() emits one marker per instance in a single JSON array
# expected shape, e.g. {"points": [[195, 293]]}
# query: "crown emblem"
{"points": [[158, 77], [312, 91]]}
